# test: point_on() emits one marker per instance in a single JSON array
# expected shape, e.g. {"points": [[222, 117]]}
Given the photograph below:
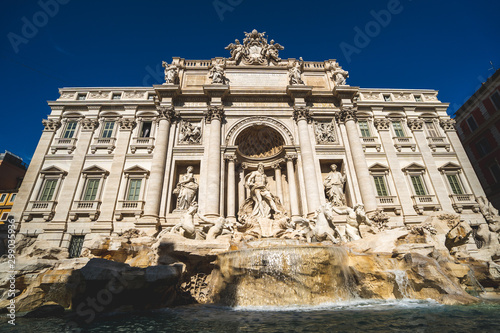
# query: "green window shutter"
{"points": [[418, 185], [134, 189], [91, 190], [365, 130], [48, 189], [107, 131], [455, 185], [398, 129], [70, 130], [380, 186]]}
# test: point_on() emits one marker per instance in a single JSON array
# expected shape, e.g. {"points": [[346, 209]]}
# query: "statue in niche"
{"points": [[190, 133], [334, 186], [340, 76], [295, 73], [263, 200], [171, 72], [217, 73], [355, 217], [186, 190], [324, 133]]}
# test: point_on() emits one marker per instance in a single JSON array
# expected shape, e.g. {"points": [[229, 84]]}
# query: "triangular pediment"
{"points": [[414, 167], [53, 170], [450, 166], [136, 170], [95, 170], [378, 167]]}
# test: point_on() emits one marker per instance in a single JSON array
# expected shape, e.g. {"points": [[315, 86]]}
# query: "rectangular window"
{"points": [[387, 98], [472, 123], [48, 190], [495, 172], [151, 97], [398, 129], [81, 97], [12, 197], [418, 98], [455, 184], [483, 147], [495, 98], [134, 189], [69, 131], [363, 127], [107, 129], [75, 246], [2, 197], [91, 190], [431, 129], [380, 186], [146, 129], [4, 216], [117, 96], [418, 185]]}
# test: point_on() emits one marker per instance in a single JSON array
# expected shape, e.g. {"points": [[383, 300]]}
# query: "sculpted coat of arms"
{"points": [[255, 50]]}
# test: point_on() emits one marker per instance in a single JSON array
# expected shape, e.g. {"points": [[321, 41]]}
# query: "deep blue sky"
{"points": [[443, 45]]}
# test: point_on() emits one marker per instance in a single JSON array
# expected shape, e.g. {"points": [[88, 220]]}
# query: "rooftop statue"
{"points": [[255, 50], [171, 73], [295, 73], [217, 73]]}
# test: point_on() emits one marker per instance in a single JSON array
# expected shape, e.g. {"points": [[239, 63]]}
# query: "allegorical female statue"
{"points": [[334, 186], [186, 189]]}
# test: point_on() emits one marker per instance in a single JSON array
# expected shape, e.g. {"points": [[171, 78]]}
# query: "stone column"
{"points": [[104, 223], [440, 188], [402, 191], [214, 117], [366, 186], [448, 126], [277, 176], [292, 186], [241, 184], [31, 176], [302, 116], [153, 194], [231, 188]]}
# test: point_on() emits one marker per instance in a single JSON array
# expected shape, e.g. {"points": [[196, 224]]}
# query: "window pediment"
{"points": [[95, 170], [53, 170], [450, 166], [414, 167], [377, 167], [136, 170]]}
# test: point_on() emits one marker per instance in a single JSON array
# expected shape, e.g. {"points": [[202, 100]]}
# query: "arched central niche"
{"points": [[259, 142]]}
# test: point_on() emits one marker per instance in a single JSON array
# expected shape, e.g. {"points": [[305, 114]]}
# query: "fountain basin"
{"points": [[281, 272]]}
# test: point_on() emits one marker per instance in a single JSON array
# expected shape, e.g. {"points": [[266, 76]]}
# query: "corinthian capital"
{"points": [[382, 124], [302, 113], [448, 124], [127, 124], [416, 124], [214, 112], [51, 124], [166, 113], [347, 113], [89, 124]]}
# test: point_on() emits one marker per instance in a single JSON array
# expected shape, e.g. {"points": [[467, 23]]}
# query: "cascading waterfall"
{"points": [[401, 280]]}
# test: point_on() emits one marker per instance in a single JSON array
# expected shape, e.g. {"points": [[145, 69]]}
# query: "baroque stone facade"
{"points": [[288, 134]]}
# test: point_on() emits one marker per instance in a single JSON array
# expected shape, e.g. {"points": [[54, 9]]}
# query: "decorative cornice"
{"points": [[416, 124], [347, 113], [382, 124], [127, 124], [214, 112], [448, 124], [51, 124], [302, 113], [89, 124]]}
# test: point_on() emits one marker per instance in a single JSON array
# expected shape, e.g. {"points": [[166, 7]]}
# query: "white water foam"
{"points": [[354, 305]]}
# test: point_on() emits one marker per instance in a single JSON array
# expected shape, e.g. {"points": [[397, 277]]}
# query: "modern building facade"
{"points": [[478, 126], [111, 159]]}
